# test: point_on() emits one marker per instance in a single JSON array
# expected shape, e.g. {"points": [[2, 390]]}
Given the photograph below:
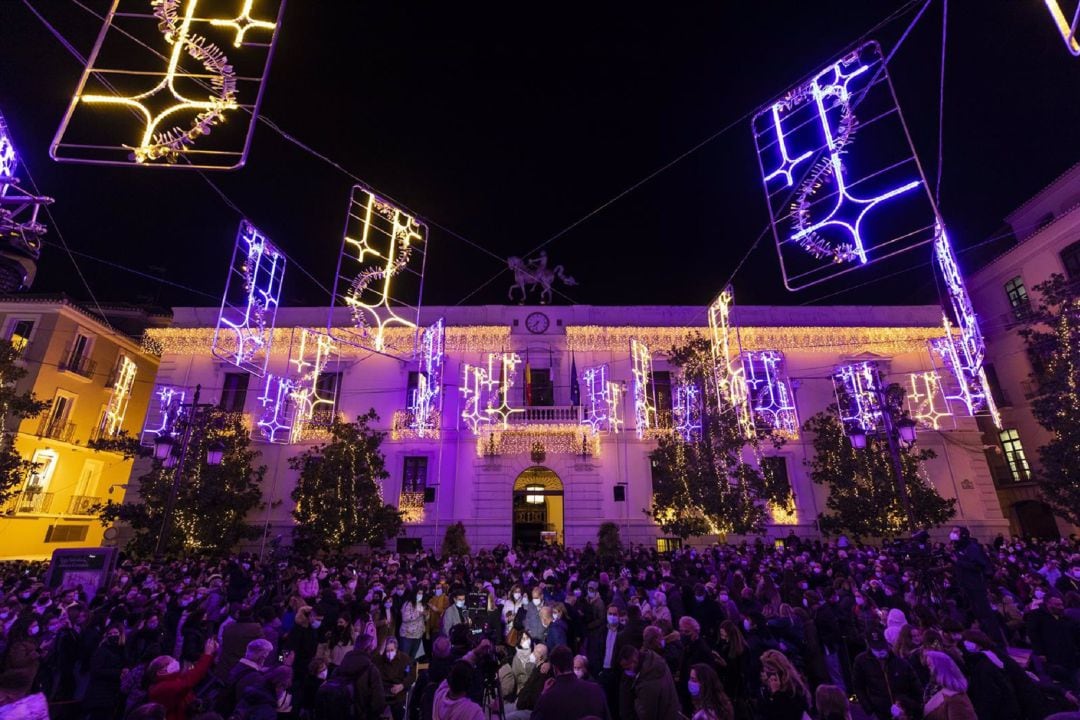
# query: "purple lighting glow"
{"points": [[277, 419], [602, 398], [856, 387], [166, 407], [425, 404], [686, 411], [771, 398]]}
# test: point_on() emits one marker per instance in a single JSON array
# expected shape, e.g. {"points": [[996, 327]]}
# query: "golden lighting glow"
{"points": [[117, 406], [565, 439], [402, 426], [644, 407], [482, 388], [244, 22], [307, 397], [197, 341], [849, 340], [926, 402], [411, 506], [730, 373], [784, 515], [1067, 30]]}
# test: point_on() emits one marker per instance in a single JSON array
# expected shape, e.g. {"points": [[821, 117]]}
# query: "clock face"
{"points": [[537, 323]]}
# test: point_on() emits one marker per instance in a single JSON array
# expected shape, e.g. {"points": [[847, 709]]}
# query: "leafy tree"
{"points": [[212, 504], [1052, 333], [609, 542], [454, 541], [338, 498], [706, 486], [15, 407], [863, 499]]}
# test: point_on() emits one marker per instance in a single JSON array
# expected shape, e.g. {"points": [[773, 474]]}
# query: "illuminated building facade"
{"points": [[1045, 240], [523, 451], [98, 382]]}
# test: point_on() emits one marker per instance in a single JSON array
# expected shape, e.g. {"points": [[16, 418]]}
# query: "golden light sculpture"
{"points": [[380, 273], [563, 439], [644, 404], [157, 83], [731, 389], [116, 408], [1067, 29], [486, 393], [926, 401], [307, 397]]}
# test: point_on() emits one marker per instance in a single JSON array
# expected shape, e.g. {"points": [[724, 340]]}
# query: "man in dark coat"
{"points": [[694, 651], [972, 570], [567, 697], [398, 672], [235, 638], [357, 682], [880, 678], [1055, 640], [648, 690]]}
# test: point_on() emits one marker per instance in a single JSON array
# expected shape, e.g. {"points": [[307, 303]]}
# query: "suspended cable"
{"points": [[941, 105]]}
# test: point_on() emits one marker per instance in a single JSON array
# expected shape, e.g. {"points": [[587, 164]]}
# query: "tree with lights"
{"points": [[338, 495], [14, 408], [704, 486], [1052, 334], [863, 499], [212, 502]]}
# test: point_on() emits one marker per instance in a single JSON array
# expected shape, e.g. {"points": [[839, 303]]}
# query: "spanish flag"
{"points": [[528, 382]]}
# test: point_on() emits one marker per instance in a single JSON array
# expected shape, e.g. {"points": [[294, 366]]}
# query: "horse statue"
{"points": [[529, 274]]}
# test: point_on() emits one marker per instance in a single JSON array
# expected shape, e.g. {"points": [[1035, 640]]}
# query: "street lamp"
{"points": [[215, 451], [163, 446]]}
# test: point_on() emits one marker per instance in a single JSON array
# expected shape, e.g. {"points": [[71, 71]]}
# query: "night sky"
{"points": [[506, 123]]}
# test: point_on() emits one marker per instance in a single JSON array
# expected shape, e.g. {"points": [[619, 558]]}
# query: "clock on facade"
{"points": [[537, 323]]}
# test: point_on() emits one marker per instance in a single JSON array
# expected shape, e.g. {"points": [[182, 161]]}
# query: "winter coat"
{"points": [[23, 659], [949, 706], [234, 641], [174, 691], [557, 634], [570, 699], [536, 629], [650, 694], [257, 703], [989, 688], [103, 689], [412, 621], [1057, 638], [782, 706], [399, 671], [879, 683]]}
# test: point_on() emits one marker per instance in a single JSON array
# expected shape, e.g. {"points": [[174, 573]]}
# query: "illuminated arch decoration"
{"points": [[306, 397], [245, 327], [963, 353], [9, 159], [644, 406], [485, 393], [603, 400], [836, 204], [159, 108], [731, 390], [276, 422], [856, 387], [770, 395], [686, 411], [167, 406], [425, 404], [380, 273], [1067, 29], [116, 408], [927, 403], [18, 220]]}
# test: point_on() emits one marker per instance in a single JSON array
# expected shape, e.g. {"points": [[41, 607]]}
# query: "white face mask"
{"points": [[390, 654], [517, 596], [322, 674], [536, 602], [526, 643], [896, 711], [580, 672], [954, 536], [172, 668], [532, 658], [970, 646], [459, 603]]}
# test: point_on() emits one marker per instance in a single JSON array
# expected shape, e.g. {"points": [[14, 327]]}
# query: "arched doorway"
{"points": [[1036, 520], [538, 508]]}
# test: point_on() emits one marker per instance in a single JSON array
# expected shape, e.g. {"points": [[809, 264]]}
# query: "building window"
{"points": [[20, 334], [660, 391], [668, 544], [534, 494], [411, 387], [541, 391], [1014, 455], [54, 424], [1000, 399], [1018, 297], [414, 478], [234, 392], [775, 469], [1070, 258], [78, 359]]}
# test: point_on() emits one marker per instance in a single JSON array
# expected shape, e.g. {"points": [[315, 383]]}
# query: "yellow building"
{"points": [[98, 383]]}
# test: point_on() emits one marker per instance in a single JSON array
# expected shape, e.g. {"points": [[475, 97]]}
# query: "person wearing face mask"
{"points": [[303, 639], [437, 605], [21, 659], [1070, 581], [581, 668], [534, 625], [707, 693], [512, 677], [1054, 641], [989, 688], [398, 672], [106, 665], [694, 651], [558, 632], [413, 622], [567, 696], [706, 611], [879, 678], [456, 614], [647, 689], [972, 568], [173, 689], [385, 622]]}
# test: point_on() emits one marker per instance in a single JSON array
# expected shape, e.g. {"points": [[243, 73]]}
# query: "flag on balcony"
{"points": [[528, 380], [575, 389]]}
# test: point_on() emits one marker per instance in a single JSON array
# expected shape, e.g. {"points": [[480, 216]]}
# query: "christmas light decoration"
{"points": [[411, 506], [686, 411], [164, 412], [726, 346], [380, 272], [425, 403], [644, 407], [307, 397], [160, 107], [1067, 29], [963, 353], [856, 387], [276, 422], [926, 400], [834, 205], [245, 327], [20, 231], [771, 398], [564, 439], [116, 408], [603, 400], [486, 393]]}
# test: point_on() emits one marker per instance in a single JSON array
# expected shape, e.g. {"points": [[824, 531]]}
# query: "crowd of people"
{"points": [[784, 630]]}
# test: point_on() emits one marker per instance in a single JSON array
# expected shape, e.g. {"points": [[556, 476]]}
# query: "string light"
{"points": [[926, 400], [1068, 30], [603, 400], [307, 397], [644, 408], [116, 408], [857, 395], [771, 398], [731, 387], [411, 506], [425, 403], [245, 328], [686, 411], [276, 423], [173, 93], [164, 413], [382, 243], [564, 439], [402, 427], [824, 215], [486, 393]]}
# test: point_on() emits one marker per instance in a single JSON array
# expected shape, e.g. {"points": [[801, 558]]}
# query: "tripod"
{"points": [[493, 696]]}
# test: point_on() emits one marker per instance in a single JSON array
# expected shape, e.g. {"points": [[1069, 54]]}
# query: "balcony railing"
{"points": [[79, 364], [82, 504], [56, 428], [547, 415], [30, 500]]}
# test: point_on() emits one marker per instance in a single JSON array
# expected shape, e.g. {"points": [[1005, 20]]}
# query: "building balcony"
{"points": [[29, 501], [55, 428], [80, 365], [83, 505], [547, 415]]}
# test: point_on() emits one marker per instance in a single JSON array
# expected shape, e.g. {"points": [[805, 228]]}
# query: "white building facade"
{"points": [[1047, 230], [548, 473]]}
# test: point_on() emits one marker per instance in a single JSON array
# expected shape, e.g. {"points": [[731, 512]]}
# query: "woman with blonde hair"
{"points": [[832, 703], [786, 695], [951, 701]]}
